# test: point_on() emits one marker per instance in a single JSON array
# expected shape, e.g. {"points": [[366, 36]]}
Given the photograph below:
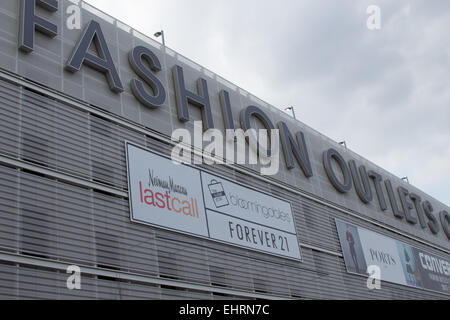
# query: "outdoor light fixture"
{"points": [[160, 34], [291, 108], [343, 143]]}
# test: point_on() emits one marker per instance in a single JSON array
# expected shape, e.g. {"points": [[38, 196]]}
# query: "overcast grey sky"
{"points": [[385, 92]]}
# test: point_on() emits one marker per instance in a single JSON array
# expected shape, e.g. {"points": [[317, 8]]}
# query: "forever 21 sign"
{"points": [[188, 200]]}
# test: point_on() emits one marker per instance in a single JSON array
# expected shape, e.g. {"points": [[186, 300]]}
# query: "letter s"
{"points": [[136, 57]]}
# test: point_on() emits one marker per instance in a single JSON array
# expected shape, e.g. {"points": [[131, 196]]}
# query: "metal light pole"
{"points": [[292, 109], [161, 33]]}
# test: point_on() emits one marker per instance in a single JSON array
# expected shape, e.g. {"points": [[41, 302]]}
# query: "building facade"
{"points": [[72, 101]]}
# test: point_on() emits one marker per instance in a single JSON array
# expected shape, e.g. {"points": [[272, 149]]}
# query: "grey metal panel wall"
{"points": [[45, 65], [77, 225], [46, 218], [8, 207], [29, 282]]}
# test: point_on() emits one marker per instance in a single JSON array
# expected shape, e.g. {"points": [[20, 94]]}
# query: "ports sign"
{"points": [[182, 198], [398, 262]]}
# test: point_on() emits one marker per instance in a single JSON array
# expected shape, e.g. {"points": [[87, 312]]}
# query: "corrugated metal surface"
{"points": [[45, 66], [46, 218]]}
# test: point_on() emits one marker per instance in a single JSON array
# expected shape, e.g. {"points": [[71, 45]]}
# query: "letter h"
{"points": [[184, 96]]}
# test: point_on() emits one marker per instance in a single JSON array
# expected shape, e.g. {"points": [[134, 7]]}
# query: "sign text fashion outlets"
{"points": [[149, 90], [398, 262], [185, 199]]}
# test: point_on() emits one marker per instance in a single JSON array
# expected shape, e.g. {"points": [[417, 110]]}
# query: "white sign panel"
{"points": [[188, 200], [232, 199], [165, 194], [244, 233], [382, 251], [399, 262]]}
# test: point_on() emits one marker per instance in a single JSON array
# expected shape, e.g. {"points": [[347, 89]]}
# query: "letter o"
{"points": [[239, 231], [233, 200], [245, 117], [328, 156]]}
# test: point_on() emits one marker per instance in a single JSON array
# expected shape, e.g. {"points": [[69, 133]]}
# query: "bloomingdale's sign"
{"points": [[147, 88], [186, 199]]}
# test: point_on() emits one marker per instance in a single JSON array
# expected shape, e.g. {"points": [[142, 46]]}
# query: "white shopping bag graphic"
{"points": [[218, 194]]}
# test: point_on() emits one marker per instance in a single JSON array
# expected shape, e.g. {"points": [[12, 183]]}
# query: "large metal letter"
{"points": [[407, 206], [225, 104], [184, 96], [245, 117], [361, 182], [328, 156], [432, 223], [292, 149], [29, 22], [377, 179], [418, 205], [445, 222], [136, 57], [394, 205], [102, 63]]}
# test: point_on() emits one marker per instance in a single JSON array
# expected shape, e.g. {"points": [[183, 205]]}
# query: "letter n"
{"points": [[292, 149]]}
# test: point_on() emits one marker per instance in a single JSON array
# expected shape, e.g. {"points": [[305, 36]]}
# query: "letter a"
{"points": [[374, 20]]}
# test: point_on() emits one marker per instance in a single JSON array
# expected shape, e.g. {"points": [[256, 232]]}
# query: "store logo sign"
{"points": [[391, 260], [185, 199], [382, 257], [218, 194]]}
